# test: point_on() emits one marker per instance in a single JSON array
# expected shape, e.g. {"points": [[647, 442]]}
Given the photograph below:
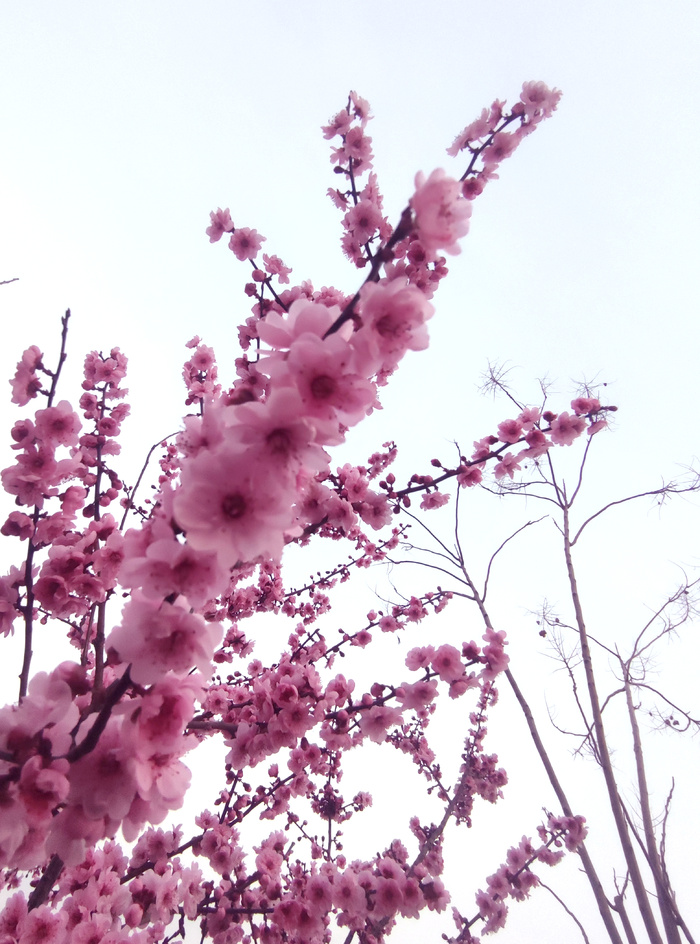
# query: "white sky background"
{"points": [[124, 124]]}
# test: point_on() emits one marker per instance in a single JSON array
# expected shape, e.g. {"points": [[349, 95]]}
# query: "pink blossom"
{"points": [[59, 424], [501, 147], [510, 431], [388, 898], [18, 525], [434, 500], [26, 383], [583, 405], [375, 510], [43, 926], [173, 568], [566, 428], [419, 694], [338, 125], [349, 896], [507, 465], [275, 266], [447, 662], [232, 506], [537, 443], [529, 417], [245, 243], [441, 212], [318, 894], [358, 146], [155, 638], [469, 475], [479, 128], [494, 654], [494, 911], [419, 658], [436, 896], [221, 223], [363, 220], [325, 376], [393, 321], [375, 722], [539, 100]]}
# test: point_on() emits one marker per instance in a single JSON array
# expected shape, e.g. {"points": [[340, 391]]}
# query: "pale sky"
{"points": [[125, 124]]}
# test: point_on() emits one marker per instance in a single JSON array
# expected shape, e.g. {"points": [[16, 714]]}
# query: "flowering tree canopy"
{"points": [[153, 595]]}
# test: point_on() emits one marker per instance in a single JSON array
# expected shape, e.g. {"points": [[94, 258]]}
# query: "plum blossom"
{"points": [[245, 243], [583, 405], [447, 662], [393, 321], [507, 465], [434, 500], [566, 428], [539, 100], [441, 212], [157, 637], [232, 506], [26, 383], [221, 223], [510, 431], [375, 722], [275, 266]]}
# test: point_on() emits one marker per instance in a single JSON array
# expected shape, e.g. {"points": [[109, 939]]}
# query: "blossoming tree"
{"points": [[153, 596]]}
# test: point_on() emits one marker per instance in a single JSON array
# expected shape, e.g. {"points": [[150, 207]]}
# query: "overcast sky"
{"points": [[125, 124]]}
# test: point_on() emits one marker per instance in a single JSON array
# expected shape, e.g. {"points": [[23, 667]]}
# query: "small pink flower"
{"points": [[447, 663], [441, 212], [245, 243], [566, 428], [469, 475], [510, 431], [507, 466], [529, 417], [596, 427], [502, 146], [26, 383], [434, 500], [539, 100], [221, 223], [275, 266], [583, 405], [375, 722], [419, 658]]}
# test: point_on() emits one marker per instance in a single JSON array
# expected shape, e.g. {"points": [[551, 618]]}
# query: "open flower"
{"points": [[441, 212]]}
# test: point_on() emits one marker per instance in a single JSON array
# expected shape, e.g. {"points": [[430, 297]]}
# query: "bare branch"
{"points": [[566, 909], [665, 490]]}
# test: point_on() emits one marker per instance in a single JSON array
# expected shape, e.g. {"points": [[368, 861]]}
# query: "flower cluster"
{"points": [[95, 746], [534, 430]]}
